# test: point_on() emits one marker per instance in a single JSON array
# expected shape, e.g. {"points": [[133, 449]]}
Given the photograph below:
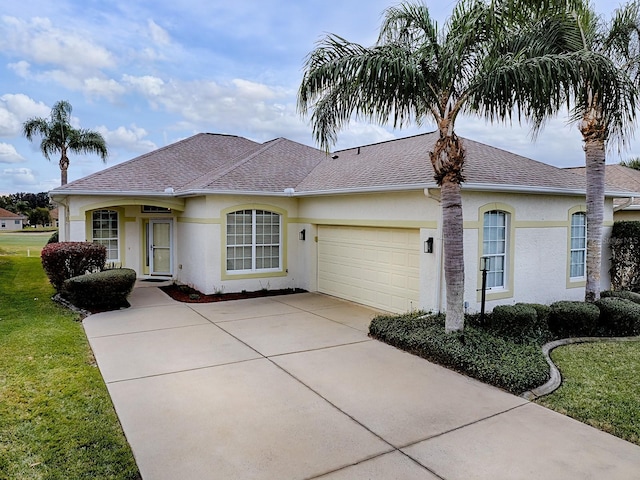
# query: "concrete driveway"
{"points": [[291, 387]]}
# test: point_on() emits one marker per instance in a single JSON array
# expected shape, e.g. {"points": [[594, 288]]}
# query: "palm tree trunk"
{"points": [[64, 166], [452, 233], [595, 160]]}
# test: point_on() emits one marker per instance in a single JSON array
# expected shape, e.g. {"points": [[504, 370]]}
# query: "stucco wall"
{"points": [[539, 245]]}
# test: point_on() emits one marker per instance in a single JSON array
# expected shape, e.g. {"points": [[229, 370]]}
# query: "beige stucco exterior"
{"points": [[537, 238]]}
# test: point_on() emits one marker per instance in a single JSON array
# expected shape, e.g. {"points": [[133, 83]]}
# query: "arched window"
{"points": [[495, 247], [254, 240], [104, 230], [578, 250]]}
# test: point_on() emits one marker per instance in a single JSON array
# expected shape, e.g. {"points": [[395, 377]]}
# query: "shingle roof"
{"points": [[619, 177], [172, 166], [210, 163], [7, 214]]}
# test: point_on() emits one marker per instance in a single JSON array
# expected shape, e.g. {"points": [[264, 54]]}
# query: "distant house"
{"points": [[221, 212], [54, 218], [623, 178], [10, 220]]}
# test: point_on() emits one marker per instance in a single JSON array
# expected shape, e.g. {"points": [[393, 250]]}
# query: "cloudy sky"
{"points": [[149, 73]]}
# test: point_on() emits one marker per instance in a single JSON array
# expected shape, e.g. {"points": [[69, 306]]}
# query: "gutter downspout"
{"points": [[624, 205], [434, 194], [66, 224]]}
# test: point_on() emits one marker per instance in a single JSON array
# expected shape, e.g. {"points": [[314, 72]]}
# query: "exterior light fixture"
{"points": [[428, 245]]}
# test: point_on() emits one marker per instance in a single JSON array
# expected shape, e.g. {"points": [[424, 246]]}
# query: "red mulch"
{"points": [[183, 293]]}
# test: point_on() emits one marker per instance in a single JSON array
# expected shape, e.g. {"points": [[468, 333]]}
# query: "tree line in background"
{"points": [[35, 206]]}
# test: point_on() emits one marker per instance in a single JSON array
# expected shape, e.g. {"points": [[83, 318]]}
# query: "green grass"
{"points": [[56, 418], [23, 243], [600, 386]]}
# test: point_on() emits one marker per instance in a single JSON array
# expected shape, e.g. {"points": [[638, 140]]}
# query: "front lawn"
{"points": [[56, 418], [600, 386]]}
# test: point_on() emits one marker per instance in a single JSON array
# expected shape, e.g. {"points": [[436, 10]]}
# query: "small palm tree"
{"points": [[58, 136], [489, 58]]}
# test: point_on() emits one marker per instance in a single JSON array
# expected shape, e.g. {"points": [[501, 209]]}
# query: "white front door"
{"points": [[160, 255]]}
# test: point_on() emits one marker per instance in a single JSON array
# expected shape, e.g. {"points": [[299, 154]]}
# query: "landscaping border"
{"points": [[555, 379]]}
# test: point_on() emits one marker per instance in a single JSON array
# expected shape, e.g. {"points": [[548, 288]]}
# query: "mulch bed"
{"points": [[186, 294]]}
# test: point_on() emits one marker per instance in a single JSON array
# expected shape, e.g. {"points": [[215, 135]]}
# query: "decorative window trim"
{"points": [[506, 291], [575, 282], [154, 209], [100, 241], [255, 271]]}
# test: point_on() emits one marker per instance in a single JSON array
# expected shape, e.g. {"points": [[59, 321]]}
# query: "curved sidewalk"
{"points": [[292, 387]]}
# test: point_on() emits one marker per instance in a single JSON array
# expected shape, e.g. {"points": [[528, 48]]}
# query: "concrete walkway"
{"points": [[291, 387]]}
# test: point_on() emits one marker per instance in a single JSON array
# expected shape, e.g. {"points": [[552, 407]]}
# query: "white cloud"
{"points": [[158, 34], [9, 154], [21, 68], [148, 85], [20, 176], [15, 109], [98, 87], [132, 138], [43, 43]]}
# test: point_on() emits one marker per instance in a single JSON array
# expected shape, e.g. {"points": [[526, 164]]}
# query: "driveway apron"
{"points": [[291, 387]]}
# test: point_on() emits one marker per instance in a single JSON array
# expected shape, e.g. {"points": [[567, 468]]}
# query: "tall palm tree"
{"points": [[482, 60], [601, 120], [58, 136]]}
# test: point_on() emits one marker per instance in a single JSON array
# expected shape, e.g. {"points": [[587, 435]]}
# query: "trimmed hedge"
{"points": [[515, 367], [53, 238], [521, 322], [633, 296], [101, 290], [64, 260], [619, 316], [573, 318], [625, 256]]}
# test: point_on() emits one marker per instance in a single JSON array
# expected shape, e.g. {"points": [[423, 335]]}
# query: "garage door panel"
{"points": [[373, 266]]}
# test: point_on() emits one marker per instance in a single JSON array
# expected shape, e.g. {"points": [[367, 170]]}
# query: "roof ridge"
{"points": [[242, 159], [139, 157], [385, 141]]}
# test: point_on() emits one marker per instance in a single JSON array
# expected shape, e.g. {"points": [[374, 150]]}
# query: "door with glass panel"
{"points": [[160, 257]]}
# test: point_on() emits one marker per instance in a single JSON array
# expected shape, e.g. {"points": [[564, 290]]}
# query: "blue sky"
{"points": [[149, 73]]}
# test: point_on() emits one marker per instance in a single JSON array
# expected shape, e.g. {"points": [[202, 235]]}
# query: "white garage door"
{"points": [[373, 266]]}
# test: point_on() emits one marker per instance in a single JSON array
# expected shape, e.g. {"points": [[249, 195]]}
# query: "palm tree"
{"points": [[603, 120], [631, 163], [58, 136], [483, 60]]}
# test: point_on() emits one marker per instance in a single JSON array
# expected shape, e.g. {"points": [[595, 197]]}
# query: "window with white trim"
{"points": [[494, 246], [253, 241], [104, 231], [578, 253]]}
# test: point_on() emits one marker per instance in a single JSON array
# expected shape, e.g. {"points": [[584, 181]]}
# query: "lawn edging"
{"points": [[555, 377]]}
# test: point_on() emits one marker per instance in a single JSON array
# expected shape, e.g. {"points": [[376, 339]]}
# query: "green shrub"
{"points": [[65, 260], [626, 294], [573, 318], [543, 312], [625, 256], [478, 353], [101, 290], [520, 322], [53, 238], [619, 316]]}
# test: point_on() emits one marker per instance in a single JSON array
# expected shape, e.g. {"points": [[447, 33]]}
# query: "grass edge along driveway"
{"points": [[56, 417], [599, 386]]}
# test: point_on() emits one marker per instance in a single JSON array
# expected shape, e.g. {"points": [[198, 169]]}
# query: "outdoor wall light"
{"points": [[302, 235], [485, 264], [428, 245]]}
